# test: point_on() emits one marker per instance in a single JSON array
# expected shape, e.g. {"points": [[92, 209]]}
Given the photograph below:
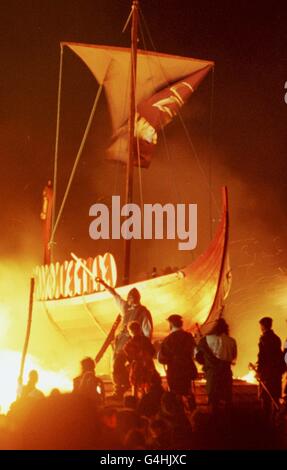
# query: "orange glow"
{"points": [[9, 370], [250, 377]]}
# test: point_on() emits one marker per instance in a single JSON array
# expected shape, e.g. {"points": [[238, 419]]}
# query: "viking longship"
{"points": [[160, 86]]}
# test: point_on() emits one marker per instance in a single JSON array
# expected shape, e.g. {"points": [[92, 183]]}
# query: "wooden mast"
{"points": [[131, 156]]}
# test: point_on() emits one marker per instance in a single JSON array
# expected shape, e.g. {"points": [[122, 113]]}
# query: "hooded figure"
{"points": [[131, 310]]}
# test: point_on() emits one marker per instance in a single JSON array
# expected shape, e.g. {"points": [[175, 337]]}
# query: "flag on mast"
{"points": [[164, 84]]}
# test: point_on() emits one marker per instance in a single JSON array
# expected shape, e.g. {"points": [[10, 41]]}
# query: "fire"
{"points": [[250, 377], [9, 371]]}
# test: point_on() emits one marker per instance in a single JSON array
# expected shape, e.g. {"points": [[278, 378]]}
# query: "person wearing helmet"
{"points": [[177, 352], [131, 310]]}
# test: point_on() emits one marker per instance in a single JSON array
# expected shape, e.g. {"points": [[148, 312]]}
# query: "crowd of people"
{"points": [[144, 412]]}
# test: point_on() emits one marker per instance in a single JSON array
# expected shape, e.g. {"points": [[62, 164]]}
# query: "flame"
{"points": [[250, 377], [4, 319], [9, 371]]}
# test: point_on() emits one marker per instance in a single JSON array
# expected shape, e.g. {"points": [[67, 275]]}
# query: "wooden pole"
{"points": [[130, 163], [28, 331], [46, 217]]}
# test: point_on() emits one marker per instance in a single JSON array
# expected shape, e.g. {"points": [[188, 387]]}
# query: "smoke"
{"points": [[259, 266]]}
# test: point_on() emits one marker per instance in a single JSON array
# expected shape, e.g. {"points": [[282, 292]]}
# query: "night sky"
{"points": [[247, 41]]}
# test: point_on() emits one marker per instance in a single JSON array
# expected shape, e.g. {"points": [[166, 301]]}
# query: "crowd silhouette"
{"points": [[156, 413]]}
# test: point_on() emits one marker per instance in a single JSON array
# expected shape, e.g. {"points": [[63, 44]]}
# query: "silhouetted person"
{"points": [[131, 310], [29, 396], [87, 384], [140, 352], [55, 392], [285, 360], [154, 272], [270, 365], [177, 352], [218, 351], [30, 390]]}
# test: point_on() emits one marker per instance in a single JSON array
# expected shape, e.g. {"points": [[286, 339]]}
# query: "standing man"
{"points": [[217, 351], [131, 310], [177, 352], [270, 365]]}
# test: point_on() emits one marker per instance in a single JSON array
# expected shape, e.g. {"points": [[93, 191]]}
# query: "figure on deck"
{"points": [[177, 353], [140, 353], [88, 384], [217, 351], [131, 310], [270, 365]]}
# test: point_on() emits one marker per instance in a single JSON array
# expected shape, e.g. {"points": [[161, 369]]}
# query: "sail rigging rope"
{"points": [[206, 177], [57, 144], [211, 109], [118, 165], [137, 139], [168, 154], [140, 179], [200, 166], [79, 154]]}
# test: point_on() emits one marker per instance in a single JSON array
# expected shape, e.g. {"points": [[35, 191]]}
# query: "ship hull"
{"points": [[195, 292]]}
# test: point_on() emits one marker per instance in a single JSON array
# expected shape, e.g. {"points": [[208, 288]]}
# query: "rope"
{"points": [[147, 30], [140, 178], [57, 145], [79, 154], [205, 176], [138, 159], [210, 153], [173, 182], [128, 20], [200, 166]]}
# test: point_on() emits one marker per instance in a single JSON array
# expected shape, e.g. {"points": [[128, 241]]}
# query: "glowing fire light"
{"points": [[9, 371], [250, 377], [4, 319]]}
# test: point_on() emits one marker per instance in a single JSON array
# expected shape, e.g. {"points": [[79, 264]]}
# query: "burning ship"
{"points": [[160, 85]]}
